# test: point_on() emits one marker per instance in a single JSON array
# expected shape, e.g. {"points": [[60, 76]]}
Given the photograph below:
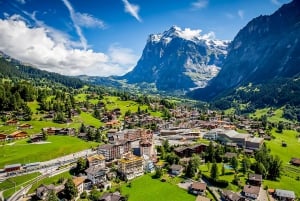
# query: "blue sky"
{"points": [[106, 37]]}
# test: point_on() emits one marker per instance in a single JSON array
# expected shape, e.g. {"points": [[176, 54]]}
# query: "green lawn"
{"points": [[88, 119], [10, 183], [23, 152], [147, 189], [285, 153]]}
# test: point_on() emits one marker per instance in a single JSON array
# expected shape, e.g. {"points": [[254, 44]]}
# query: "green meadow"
{"points": [[22, 152], [147, 189]]}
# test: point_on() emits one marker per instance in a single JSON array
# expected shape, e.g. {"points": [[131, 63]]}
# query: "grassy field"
{"points": [[9, 186], [285, 153], [277, 117], [147, 189], [23, 152], [88, 119], [50, 180]]}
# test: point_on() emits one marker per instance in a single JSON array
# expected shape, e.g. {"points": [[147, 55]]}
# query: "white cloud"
{"points": [[275, 2], [35, 45], [200, 4], [132, 10], [21, 1], [87, 20], [76, 26], [241, 14]]}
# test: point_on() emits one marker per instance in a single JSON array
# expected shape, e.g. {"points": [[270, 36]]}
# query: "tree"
{"points": [[245, 164], [81, 165], [274, 170], [158, 173], [280, 127], [94, 194], [260, 169], [166, 145], [172, 158], [45, 135], [264, 121], [234, 163], [214, 173], [210, 153], [223, 169], [70, 189], [52, 196]]}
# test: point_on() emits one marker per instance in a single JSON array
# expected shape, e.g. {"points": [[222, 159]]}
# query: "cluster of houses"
{"points": [[253, 190]]}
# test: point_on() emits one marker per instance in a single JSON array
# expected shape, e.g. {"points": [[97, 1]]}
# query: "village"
{"points": [[132, 148]]}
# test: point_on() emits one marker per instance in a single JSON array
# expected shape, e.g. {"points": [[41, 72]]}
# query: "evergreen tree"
{"points": [[214, 173], [70, 189], [234, 163], [210, 153], [245, 164], [81, 165]]}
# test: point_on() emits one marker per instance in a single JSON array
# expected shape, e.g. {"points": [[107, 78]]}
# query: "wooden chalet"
{"points": [[3, 137], [24, 126], [11, 122], [17, 135]]}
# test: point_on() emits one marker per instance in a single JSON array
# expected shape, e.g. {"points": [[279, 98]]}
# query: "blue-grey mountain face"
{"points": [[267, 48], [179, 60]]}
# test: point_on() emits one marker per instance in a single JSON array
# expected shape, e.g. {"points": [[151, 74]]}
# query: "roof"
{"points": [[18, 132], [201, 198], [255, 140], [95, 170], [231, 195], [106, 146], [12, 166], [251, 189], [111, 197], [78, 180], [295, 161], [285, 193], [198, 186], [96, 157], [255, 177], [176, 167], [230, 155]]}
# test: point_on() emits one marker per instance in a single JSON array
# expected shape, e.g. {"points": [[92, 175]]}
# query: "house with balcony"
{"points": [[130, 166]]}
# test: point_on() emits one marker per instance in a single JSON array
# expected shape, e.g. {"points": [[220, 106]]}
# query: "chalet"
{"points": [[251, 191], [43, 191], [24, 126], [96, 174], [79, 184], [113, 124], [295, 161], [96, 160], [3, 137], [228, 195], [36, 138], [116, 196], [176, 169], [13, 168], [255, 179], [59, 131], [130, 166], [284, 195], [83, 136], [190, 150], [11, 122], [197, 188], [17, 135]]}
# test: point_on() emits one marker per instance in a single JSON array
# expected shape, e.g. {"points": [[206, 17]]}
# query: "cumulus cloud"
{"points": [[132, 10], [36, 46], [275, 2], [241, 14], [200, 4]]}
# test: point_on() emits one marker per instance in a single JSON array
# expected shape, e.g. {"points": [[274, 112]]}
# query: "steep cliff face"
{"points": [[267, 47], [179, 60]]}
